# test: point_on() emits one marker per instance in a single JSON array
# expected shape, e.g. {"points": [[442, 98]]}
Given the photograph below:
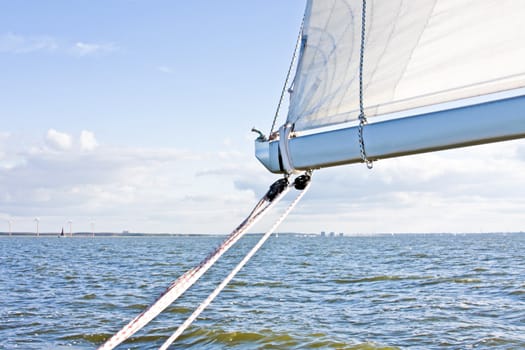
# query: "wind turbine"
{"points": [[70, 230], [92, 228], [9, 221], [37, 220]]}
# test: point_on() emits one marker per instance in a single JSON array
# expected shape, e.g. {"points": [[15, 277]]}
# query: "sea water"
{"points": [[298, 292]]}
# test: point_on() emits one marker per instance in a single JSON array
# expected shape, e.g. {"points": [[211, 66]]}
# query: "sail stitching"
{"points": [[362, 116]]}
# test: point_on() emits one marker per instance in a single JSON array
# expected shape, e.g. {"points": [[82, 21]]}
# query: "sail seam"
{"points": [[415, 46]]}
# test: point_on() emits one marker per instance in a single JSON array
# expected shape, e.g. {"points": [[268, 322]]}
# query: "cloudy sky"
{"points": [[136, 115]]}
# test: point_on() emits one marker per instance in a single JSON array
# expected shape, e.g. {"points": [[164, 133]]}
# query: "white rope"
{"points": [[232, 274], [178, 287]]}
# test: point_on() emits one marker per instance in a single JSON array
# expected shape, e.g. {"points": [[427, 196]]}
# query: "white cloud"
{"points": [[58, 140], [4, 136], [170, 190], [14, 43], [88, 142], [464, 190], [90, 49], [9, 146], [25, 44], [140, 189]]}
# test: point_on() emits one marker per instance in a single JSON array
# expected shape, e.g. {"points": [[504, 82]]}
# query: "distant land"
{"points": [[133, 234], [98, 234]]}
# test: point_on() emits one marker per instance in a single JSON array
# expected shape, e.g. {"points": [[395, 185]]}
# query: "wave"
{"points": [[268, 339], [264, 339]]}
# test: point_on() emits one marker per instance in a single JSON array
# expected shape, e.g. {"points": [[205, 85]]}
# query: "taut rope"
{"points": [[179, 286], [232, 274]]}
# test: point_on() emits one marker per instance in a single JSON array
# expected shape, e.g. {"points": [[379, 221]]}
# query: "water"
{"points": [[383, 292]]}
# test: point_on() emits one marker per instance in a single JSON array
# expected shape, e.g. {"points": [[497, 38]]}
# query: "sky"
{"points": [[136, 115]]}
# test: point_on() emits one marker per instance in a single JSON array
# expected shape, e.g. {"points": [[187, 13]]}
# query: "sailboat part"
{"points": [[487, 122], [275, 189], [179, 286], [390, 58], [302, 181], [284, 152], [362, 116], [362, 149], [415, 54], [261, 137], [232, 274]]}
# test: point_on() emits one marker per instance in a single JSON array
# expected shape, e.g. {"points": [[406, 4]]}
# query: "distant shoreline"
{"points": [[100, 234], [129, 234]]}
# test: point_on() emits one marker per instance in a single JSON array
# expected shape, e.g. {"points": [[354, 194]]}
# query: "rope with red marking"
{"points": [[179, 286], [232, 274]]}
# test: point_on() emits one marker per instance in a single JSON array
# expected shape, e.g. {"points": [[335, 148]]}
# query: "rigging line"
{"points": [[362, 116], [232, 274], [179, 286], [287, 78]]}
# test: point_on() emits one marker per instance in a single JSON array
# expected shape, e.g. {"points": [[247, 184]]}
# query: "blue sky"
{"points": [[137, 115], [159, 66]]}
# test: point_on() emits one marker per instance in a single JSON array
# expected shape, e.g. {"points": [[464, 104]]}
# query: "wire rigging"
{"points": [[287, 78], [362, 116]]}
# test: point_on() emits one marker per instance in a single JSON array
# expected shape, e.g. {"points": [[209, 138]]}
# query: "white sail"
{"points": [[417, 53]]}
